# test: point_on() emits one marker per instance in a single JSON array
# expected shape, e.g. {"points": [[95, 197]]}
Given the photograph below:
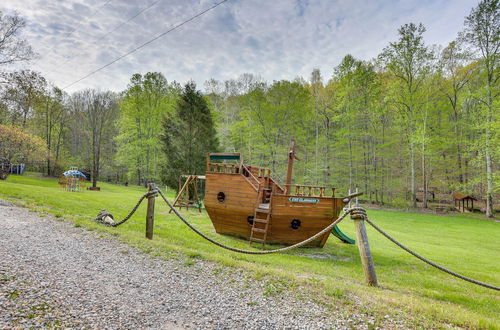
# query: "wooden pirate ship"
{"points": [[245, 201]]}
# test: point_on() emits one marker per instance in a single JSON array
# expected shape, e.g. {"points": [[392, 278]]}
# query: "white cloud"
{"points": [[276, 39]]}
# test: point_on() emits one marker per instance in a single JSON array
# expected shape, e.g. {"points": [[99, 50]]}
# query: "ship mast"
{"points": [[291, 158]]}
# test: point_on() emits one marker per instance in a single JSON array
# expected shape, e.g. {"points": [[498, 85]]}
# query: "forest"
{"points": [[416, 120]]}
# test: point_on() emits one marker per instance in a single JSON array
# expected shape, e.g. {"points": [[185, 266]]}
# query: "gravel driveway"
{"points": [[54, 274]]}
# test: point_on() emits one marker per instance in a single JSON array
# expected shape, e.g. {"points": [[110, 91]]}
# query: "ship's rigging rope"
{"points": [[354, 210]]}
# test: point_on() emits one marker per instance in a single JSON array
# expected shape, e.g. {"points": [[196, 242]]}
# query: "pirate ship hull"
{"points": [[246, 202]]}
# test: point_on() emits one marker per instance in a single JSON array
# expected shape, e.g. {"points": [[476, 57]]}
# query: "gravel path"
{"points": [[54, 274]]}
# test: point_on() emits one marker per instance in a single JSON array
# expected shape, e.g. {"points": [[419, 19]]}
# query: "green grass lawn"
{"points": [[332, 275]]}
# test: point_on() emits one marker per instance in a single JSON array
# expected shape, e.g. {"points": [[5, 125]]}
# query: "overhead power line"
{"points": [[113, 30], [123, 23], [74, 29], [146, 43]]}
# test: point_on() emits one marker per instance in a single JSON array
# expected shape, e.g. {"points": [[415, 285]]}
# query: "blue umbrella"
{"points": [[74, 173]]}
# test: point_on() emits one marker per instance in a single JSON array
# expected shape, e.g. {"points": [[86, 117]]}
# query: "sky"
{"points": [[275, 39]]}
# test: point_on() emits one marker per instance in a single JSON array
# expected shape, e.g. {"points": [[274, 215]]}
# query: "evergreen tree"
{"points": [[188, 136]]}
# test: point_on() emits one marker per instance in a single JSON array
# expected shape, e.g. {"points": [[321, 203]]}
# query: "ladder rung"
{"points": [[261, 210], [258, 230], [258, 240], [260, 220]]}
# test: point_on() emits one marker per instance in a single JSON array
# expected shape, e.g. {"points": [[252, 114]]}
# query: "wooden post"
{"points": [[364, 250], [291, 158], [150, 215]]}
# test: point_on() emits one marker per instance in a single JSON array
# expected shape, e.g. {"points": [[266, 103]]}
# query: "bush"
{"points": [[399, 203], [17, 146]]}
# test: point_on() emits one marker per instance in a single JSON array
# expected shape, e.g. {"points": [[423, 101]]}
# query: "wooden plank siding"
{"points": [[231, 216]]}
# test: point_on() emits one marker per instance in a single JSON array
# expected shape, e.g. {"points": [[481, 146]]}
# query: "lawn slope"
{"points": [[332, 275]]}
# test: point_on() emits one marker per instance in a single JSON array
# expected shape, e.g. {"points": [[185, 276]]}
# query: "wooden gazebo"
{"points": [[464, 199]]}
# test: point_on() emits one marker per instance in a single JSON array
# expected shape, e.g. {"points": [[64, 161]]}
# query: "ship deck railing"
{"points": [[310, 191], [223, 168], [257, 176]]}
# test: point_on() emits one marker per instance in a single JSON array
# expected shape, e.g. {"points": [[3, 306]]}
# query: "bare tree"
{"points": [[12, 47]]}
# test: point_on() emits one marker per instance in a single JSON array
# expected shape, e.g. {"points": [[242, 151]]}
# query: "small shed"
{"points": [[464, 199]]}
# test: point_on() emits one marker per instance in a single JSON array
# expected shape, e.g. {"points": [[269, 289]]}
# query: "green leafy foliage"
{"points": [[16, 145], [147, 100]]}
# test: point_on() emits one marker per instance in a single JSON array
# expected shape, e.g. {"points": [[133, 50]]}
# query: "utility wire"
{"points": [[123, 23], [146, 43], [73, 31], [114, 29]]}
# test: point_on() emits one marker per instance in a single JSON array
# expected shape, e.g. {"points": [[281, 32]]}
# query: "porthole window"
{"points": [[295, 224], [250, 219], [221, 197]]}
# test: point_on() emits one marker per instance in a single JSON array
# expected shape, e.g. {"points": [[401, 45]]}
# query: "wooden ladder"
{"points": [[261, 220]]}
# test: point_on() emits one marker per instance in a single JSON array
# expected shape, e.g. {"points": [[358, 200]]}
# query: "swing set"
{"points": [[188, 192]]}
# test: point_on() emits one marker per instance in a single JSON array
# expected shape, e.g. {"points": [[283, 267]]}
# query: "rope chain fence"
{"points": [[353, 210], [101, 217], [427, 261]]}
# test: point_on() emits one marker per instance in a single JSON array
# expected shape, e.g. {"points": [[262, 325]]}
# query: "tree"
{"points": [[146, 101], [16, 145], [408, 60], [482, 32], [455, 73], [188, 135], [52, 117], [12, 47], [357, 124], [25, 89], [97, 111], [270, 118]]}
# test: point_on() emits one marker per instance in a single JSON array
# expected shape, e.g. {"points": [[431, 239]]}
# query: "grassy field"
{"points": [[333, 275]]}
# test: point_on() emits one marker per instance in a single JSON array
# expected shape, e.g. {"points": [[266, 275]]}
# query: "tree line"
{"points": [[414, 120]]}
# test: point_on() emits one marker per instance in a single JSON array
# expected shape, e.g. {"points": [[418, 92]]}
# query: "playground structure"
{"points": [[245, 201], [72, 180], [188, 192]]}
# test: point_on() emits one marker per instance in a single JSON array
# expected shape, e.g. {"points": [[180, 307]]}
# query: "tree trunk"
{"points": [[413, 188], [489, 166], [58, 146], [350, 164]]}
